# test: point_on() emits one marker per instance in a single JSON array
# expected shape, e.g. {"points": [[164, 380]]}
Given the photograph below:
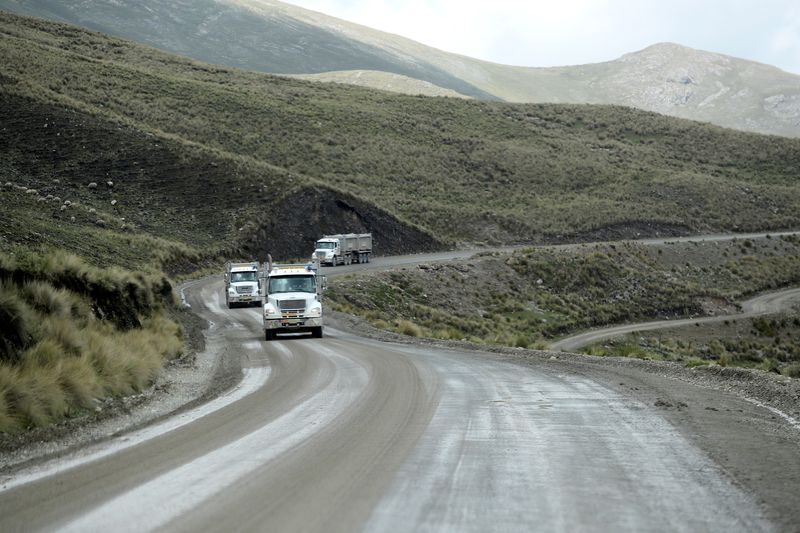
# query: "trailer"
{"points": [[343, 249]]}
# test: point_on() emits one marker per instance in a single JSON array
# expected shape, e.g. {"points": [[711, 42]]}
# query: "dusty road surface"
{"points": [[763, 304], [348, 434]]}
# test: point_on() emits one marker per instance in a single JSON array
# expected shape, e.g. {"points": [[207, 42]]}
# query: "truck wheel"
{"points": [[334, 262], [317, 332], [366, 256], [228, 303], [269, 335]]}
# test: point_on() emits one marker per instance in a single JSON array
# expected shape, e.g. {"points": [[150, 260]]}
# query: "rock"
{"points": [[93, 185], [31, 191], [92, 210], [67, 203], [110, 184], [57, 199], [63, 208], [113, 202], [72, 219], [100, 222], [8, 185]]}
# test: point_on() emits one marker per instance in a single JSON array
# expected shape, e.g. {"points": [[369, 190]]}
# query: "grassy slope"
{"points": [[531, 296], [464, 171]]}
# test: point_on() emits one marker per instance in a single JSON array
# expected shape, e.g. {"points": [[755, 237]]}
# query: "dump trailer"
{"points": [[292, 299], [343, 249], [242, 285]]}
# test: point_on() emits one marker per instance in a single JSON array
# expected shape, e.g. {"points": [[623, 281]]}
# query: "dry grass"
{"points": [[62, 348]]}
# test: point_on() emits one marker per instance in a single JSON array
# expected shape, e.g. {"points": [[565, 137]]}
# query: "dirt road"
{"points": [[344, 434], [763, 304]]}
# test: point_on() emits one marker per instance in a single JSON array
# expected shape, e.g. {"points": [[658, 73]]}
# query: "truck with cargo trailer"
{"points": [[343, 249], [242, 285], [292, 299]]}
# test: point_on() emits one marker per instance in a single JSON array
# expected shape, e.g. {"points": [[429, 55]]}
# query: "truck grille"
{"points": [[244, 290], [320, 255], [292, 305]]}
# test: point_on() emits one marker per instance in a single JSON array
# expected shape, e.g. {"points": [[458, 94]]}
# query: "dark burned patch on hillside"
{"points": [[301, 218], [161, 187], [171, 190]]}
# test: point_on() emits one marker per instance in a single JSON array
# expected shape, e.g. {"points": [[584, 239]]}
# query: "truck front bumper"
{"points": [[292, 324], [244, 298]]}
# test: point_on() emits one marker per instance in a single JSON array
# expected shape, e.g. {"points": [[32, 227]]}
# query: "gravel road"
{"points": [[345, 433], [348, 433], [763, 304]]}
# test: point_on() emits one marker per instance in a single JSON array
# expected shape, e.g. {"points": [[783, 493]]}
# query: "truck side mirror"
{"points": [[324, 282]]}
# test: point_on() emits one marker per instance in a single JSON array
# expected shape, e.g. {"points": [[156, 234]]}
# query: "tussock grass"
{"points": [[406, 327], [73, 334]]}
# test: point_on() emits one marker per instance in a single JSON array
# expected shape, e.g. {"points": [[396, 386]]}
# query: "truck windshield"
{"points": [[292, 284], [326, 245], [242, 276]]}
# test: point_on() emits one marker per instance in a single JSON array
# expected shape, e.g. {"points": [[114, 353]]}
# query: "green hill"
{"points": [[222, 159]]}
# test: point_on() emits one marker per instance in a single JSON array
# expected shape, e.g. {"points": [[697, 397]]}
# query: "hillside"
{"points": [[384, 81], [274, 37], [230, 161]]}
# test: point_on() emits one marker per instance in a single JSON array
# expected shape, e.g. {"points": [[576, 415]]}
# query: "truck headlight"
{"points": [[232, 291], [269, 310], [314, 311]]}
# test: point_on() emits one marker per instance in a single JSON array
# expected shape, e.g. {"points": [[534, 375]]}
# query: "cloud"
{"points": [[785, 40]]}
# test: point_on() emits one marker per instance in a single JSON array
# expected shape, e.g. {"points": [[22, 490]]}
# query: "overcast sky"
{"points": [[568, 32]]}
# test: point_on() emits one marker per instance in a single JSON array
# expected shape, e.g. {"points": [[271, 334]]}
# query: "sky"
{"points": [[539, 33]]}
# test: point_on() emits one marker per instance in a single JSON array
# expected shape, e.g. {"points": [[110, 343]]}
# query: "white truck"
{"points": [[343, 249], [242, 285], [292, 299]]}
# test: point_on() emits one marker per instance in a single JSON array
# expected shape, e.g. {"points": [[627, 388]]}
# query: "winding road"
{"points": [[763, 304], [349, 434]]}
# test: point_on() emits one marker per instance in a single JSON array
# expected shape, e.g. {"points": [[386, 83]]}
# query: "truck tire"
{"points": [[333, 263], [269, 335], [366, 257], [317, 332]]}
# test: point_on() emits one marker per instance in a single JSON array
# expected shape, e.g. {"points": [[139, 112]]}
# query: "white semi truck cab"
{"points": [[242, 285], [292, 300]]}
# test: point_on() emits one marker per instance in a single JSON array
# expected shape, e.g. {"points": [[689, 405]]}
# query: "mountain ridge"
{"points": [[279, 38]]}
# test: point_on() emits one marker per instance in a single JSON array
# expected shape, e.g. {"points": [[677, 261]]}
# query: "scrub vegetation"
{"points": [[532, 296], [72, 334]]}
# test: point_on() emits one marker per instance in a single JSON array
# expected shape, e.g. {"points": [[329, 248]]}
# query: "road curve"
{"points": [[348, 434], [763, 304]]}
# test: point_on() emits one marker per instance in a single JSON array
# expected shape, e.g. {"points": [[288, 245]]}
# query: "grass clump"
{"points": [[64, 345]]}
